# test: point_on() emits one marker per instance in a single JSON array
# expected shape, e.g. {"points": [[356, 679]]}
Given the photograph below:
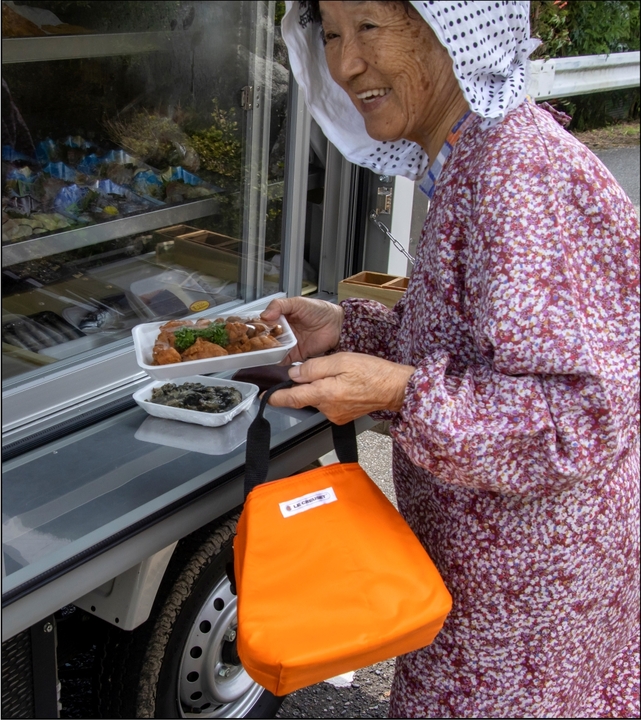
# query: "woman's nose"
{"points": [[352, 62]]}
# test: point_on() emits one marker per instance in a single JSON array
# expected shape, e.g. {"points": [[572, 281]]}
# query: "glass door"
{"points": [[143, 169]]}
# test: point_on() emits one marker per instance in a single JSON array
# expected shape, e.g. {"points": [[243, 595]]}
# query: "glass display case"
{"points": [[143, 157], [158, 162]]}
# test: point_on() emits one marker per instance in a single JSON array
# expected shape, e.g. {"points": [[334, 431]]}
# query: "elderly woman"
{"points": [[509, 370]]}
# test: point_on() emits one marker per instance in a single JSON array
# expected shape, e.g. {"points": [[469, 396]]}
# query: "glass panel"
{"points": [[76, 492], [142, 169]]}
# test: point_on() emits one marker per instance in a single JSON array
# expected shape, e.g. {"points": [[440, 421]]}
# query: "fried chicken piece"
{"points": [[236, 332], [256, 328], [203, 349], [260, 342], [274, 330], [176, 324], [165, 355], [243, 337], [166, 337], [167, 332], [265, 341]]}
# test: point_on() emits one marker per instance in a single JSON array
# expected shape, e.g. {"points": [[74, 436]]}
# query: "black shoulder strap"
{"points": [[345, 442], [259, 436]]}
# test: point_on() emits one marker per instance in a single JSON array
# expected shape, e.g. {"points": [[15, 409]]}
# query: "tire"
{"points": [[182, 662]]}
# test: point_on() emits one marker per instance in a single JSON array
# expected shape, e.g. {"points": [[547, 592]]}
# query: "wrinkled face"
{"points": [[390, 64]]}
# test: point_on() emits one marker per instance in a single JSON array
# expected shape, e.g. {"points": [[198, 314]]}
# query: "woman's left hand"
{"points": [[346, 386]]}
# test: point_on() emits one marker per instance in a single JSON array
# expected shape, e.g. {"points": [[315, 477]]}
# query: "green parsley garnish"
{"points": [[214, 333]]}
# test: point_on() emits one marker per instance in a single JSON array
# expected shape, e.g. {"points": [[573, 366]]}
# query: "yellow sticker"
{"points": [[199, 305]]}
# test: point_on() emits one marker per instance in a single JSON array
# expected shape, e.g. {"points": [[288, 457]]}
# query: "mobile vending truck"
{"points": [[158, 162]]}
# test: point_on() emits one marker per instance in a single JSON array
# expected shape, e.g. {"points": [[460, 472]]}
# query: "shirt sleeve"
{"points": [[370, 327], [552, 301]]}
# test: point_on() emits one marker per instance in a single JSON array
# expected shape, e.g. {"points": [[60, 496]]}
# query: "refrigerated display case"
{"points": [[158, 162], [143, 178], [142, 170]]}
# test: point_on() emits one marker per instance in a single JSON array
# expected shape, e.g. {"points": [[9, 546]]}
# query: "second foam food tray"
{"points": [[248, 392], [145, 336]]}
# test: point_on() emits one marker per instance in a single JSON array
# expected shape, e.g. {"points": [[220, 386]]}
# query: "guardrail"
{"points": [[561, 77]]}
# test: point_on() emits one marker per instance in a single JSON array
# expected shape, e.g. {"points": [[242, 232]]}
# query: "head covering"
{"points": [[489, 43]]}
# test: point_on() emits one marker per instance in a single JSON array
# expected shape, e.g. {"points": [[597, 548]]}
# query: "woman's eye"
{"points": [[367, 26], [327, 36]]}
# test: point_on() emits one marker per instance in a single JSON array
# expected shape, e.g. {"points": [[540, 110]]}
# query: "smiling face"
{"points": [[393, 68]]}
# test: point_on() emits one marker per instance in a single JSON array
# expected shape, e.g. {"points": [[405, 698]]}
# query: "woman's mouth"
{"points": [[371, 100], [370, 96]]}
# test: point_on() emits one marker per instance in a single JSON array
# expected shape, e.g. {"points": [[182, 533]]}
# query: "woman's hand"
{"points": [[346, 386], [315, 323]]}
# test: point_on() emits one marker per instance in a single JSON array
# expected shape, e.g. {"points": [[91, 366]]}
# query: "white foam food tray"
{"points": [[247, 390], [145, 337]]}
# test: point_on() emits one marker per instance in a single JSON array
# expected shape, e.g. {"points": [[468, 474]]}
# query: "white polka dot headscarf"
{"points": [[489, 43]]}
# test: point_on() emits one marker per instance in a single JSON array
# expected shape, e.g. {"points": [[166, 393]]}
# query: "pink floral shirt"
{"points": [[516, 452]]}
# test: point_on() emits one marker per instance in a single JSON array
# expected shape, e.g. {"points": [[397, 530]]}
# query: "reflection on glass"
{"points": [[194, 438], [127, 164]]}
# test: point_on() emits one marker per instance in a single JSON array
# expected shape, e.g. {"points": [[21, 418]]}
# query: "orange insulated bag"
{"points": [[329, 576]]}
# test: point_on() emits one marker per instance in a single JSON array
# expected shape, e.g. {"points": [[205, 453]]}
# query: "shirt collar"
{"points": [[428, 184]]}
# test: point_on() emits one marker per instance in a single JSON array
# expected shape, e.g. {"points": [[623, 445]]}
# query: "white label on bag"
{"points": [[307, 502]]}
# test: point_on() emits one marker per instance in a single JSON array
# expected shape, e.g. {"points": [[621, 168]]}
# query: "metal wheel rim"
{"points": [[207, 687]]}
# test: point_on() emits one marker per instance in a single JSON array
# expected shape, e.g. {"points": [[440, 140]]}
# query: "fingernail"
{"points": [[294, 372]]}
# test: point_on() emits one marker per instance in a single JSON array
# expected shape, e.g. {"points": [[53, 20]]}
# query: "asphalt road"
{"points": [[623, 163]]}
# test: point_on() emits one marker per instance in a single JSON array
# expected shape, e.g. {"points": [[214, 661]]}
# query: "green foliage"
{"points": [[548, 22], [219, 146], [116, 15], [187, 336], [598, 110], [589, 27], [279, 12], [584, 27], [602, 27]]}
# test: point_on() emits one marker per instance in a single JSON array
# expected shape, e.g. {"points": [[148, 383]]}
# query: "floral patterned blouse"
{"points": [[516, 452]]}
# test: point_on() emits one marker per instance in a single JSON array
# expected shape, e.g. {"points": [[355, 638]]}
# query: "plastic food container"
{"points": [[145, 337], [170, 294], [247, 390]]}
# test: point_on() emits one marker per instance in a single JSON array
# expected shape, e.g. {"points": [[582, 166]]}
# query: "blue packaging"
{"points": [[179, 173], [11, 155], [120, 157], [88, 165], [47, 151], [61, 171]]}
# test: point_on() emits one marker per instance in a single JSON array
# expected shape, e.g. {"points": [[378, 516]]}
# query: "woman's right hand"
{"points": [[315, 323]]}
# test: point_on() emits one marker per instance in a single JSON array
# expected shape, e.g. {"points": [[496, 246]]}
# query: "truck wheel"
{"points": [[183, 661]]}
